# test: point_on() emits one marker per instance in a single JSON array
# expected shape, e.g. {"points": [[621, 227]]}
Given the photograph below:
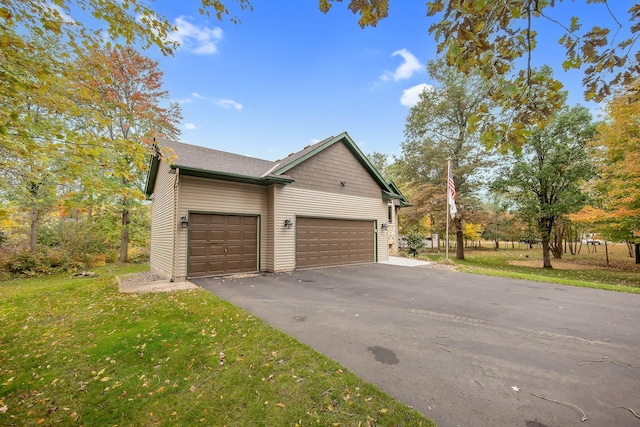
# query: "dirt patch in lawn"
{"points": [[557, 264]]}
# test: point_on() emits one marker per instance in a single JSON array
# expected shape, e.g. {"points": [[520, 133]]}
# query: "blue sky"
{"points": [[288, 75]]}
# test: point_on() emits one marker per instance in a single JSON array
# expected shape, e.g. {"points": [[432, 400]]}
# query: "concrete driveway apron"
{"points": [[465, 350]]}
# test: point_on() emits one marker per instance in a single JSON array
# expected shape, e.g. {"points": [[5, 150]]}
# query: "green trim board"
{"points": [[154, 165], [201, 173]]}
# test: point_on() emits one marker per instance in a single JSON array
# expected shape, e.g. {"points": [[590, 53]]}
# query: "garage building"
{"points": [[215, 213]]}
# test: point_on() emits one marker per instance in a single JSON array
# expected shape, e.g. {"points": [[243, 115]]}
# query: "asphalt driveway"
{"points": [[465, 350]]}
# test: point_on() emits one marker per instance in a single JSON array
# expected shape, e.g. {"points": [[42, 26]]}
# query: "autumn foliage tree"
{"points": [[112, 23], [545, 180], [120, 93], [440, 127], [32, 132], [616, 152], [500, 37]]}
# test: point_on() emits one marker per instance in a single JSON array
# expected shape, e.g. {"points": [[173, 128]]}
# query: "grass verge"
{"points": [[76, 352], [587, 269]]}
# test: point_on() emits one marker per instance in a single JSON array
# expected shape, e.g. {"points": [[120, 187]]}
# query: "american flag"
{"points": [[452, 192], [452, 185]]}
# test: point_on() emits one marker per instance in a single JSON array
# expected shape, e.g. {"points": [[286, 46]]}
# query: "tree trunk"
{"points": [[557, 242], [637, 253], [124, 237], [546, 253], [545, 227], [33, 232], [459, 238]]}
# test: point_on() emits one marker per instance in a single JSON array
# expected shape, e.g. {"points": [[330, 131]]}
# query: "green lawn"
{"points": [[76, 352], [587, 269]]}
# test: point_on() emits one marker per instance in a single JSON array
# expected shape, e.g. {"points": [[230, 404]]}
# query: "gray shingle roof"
{"points": [[216, 164], [208, 159]]}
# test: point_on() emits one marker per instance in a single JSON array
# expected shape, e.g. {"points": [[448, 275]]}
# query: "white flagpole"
{"points": [[447, 211]]}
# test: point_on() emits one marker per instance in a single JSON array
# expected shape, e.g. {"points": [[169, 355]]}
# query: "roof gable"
{"points": [[303, 155]]}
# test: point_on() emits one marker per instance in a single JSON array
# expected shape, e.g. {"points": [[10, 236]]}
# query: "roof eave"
{"points": [[223, 176], [404, 203], [154, 164], [386, 195]]}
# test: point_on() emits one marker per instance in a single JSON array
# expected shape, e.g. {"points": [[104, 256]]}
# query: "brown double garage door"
{"points": [[226, 244], [323, 242]]}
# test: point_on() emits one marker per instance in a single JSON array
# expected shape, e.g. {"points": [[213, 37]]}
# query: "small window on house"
{"points": [[390, 213]]}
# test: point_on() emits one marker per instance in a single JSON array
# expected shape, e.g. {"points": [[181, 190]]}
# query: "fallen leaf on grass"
{"points": [[3, 409]]}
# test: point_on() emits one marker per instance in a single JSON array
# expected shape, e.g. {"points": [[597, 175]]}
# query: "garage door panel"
{"points": [[199, 235], [215, 235], [198, 251], [196, 220], [325, 242], [235, 220], [222, 244]]}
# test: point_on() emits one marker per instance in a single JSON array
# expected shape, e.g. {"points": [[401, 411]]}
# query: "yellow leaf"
{"points": [[105, 379], [383, 410]]}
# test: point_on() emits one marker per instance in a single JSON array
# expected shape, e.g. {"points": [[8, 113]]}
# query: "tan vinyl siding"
{"points": [[293, 202], [212, 196], [268, 246], [329, 168], [163, 222]]}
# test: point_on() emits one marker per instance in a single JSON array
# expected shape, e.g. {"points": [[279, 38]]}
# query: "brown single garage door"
{"points": [[222, 244], [324, 242]]}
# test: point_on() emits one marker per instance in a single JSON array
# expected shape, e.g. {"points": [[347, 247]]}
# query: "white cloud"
{"points": [[410, 65], [229, 103], [201, 40], [183, 100], [411, 96], [190, 126], [223, 103]]}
